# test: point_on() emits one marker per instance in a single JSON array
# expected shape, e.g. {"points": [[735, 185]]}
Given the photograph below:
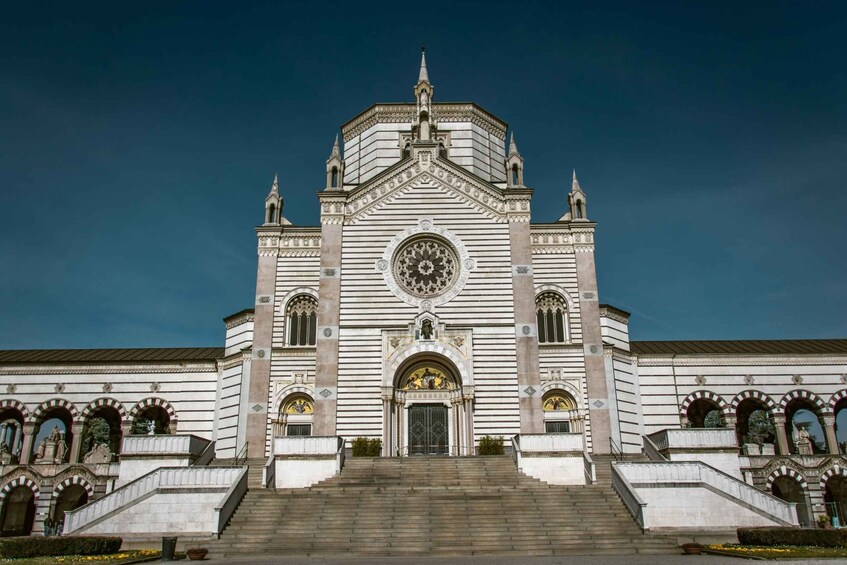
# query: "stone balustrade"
{"points": [[306, 445], [183, 444], [675, 477], [694, 438], [184, 478], [299, 462]]}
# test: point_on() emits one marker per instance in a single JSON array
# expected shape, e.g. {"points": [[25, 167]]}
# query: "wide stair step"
{"points": [[434, 506]]}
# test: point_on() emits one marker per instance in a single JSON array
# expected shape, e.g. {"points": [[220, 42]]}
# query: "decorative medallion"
{"points": [[59, 388], [154, 387], [557, 403], [797, 379], [428, 378], [529, 391], [300, 406], [700, 380], [325, 393], [10, 389], [257, 407], [426, 267], [107, 387]]}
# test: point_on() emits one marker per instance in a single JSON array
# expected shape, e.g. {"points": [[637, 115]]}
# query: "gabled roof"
{"points": [[742, 347], [74, 356]]}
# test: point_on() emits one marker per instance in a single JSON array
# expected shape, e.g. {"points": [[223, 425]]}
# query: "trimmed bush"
{"points": [[364, 447], [33, 546], [792, 536], [490, 445]]}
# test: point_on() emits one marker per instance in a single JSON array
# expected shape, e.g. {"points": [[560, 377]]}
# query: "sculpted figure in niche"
{"points": [[426, 329], [61, 451]]}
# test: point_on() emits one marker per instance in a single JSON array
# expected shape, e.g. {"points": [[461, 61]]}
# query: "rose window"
{"points": [[426, 267]]}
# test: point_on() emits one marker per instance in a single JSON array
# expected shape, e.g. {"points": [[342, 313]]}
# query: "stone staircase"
{"points": [[435, 506]]}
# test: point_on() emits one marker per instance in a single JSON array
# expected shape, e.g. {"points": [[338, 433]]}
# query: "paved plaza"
{"points": [[512, 559]]}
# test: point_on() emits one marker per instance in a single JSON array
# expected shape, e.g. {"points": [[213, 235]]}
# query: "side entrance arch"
{"points": [[425, 412]]}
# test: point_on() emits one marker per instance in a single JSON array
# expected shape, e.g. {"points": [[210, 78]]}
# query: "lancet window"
{"points": [[302, 319], [552, 318]]}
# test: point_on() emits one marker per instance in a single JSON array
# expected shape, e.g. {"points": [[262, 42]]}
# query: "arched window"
{"points": [[271, 213], [552, 318], [561, 413], [579, 211], [295, 416], [406, 150], [335, 177], [442, 151], [302, 319], [515, 174]]}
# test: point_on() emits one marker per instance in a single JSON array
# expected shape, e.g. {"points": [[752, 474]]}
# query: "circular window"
{"points": [[426, 267]]}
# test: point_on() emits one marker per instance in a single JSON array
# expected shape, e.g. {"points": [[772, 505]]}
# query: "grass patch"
{"points": [[779, 551], [112, 559]]}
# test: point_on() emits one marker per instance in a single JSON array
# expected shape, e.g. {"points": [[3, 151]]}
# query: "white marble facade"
{"points": [[426, 311]]}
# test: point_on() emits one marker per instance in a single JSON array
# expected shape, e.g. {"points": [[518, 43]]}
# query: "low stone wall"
{"points": [[556, 459], [300, 462]]}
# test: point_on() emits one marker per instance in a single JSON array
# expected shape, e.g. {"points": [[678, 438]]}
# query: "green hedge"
{"points": [[792, 536], [490, 445], [33, 546], [364, 447]]}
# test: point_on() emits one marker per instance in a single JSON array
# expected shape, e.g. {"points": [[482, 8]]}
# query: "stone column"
{"points": [[469, 435], [76, 442], [259, 379], [29, 439], [781, 436], [329, 297], [592, 340], [387, 444], [829, 432], [526, 331], [16, 442]]}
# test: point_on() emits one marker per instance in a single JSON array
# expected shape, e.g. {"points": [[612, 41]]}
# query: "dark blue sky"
{"points": [[139, 141]]}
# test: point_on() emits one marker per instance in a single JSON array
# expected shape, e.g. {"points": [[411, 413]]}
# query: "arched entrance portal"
{"points": [[426, 412], [18, 513]]}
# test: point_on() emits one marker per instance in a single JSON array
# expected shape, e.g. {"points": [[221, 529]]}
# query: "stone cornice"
{"points": [[739, 360], [405, 113], [240, 318], [178, 367]]}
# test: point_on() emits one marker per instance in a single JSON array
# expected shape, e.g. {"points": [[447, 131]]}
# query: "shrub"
{"points": [[364, 447], [792, 536], [31, 546], [490, 445]]}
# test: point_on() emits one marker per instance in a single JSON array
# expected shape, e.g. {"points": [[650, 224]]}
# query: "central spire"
{"points": [[424, 122]]}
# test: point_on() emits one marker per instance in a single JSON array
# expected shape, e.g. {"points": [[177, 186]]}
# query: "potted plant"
{"points": [[692, 548], [825, 522], [196, 553]]}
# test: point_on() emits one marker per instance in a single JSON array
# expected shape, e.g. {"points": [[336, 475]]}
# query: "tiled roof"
{"points": [[152, 355], [742, 347]]}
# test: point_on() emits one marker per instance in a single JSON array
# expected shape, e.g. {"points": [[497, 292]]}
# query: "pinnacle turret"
{"points": [[423, 75], [513, 146]]}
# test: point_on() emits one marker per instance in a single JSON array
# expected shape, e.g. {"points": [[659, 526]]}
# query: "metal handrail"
{"points": [[616, 451], [241, 456]]}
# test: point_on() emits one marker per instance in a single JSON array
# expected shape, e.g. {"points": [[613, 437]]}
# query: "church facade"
{"points": [[426, 311]]}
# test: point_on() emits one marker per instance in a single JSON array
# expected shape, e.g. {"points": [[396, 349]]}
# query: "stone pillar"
{"points": [[259, 379], [469, 435], [781, 436], [387, 443], [76, 442], [829, 432], [16, 442], [592, 340], [329, 298], [526, 331], [29, 439]]}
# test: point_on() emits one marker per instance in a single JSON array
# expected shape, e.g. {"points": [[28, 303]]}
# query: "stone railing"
{"points": [[558, 459], [590, 469], [230, 501], [162, 478], [182, 444], [651, 450], [654, 474], [269, 472], [306, 445], [630, 498], [694, 438]]}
